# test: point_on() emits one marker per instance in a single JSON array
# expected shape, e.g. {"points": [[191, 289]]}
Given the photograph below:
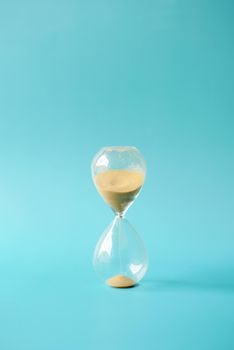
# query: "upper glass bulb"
{"points": [[119, 173]]}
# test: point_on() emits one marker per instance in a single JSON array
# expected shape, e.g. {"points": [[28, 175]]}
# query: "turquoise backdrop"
{"points": [[77, 75]]}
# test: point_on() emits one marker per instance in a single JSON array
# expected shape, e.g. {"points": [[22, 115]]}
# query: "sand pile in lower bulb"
{"points": [[120, 282]]}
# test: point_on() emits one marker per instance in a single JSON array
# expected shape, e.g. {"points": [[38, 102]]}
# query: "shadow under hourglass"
{"points": [[207, 279]]}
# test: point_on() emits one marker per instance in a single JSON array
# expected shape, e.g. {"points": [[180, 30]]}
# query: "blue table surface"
{"points": [[78, 75]]}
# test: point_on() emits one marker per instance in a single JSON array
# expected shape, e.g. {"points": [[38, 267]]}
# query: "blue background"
{"points": [[77, 75]]}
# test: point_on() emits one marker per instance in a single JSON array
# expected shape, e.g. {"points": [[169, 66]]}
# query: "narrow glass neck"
{"points": [[120, 215]]}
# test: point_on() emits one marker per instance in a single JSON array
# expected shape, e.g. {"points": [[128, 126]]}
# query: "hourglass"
{"points": [[120, 258]]}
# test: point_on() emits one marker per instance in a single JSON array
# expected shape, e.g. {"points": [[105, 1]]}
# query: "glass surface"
{"points": [[120, 258]]}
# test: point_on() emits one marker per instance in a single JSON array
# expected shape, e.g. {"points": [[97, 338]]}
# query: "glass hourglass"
{"points": [[120, 258]]}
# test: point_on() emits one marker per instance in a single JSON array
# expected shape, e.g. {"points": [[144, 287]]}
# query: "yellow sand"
{"points": [[120, 282], [119, 187]]}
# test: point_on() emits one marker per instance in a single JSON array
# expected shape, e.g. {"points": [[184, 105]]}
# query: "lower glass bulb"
{"points": [[120, 258]]}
